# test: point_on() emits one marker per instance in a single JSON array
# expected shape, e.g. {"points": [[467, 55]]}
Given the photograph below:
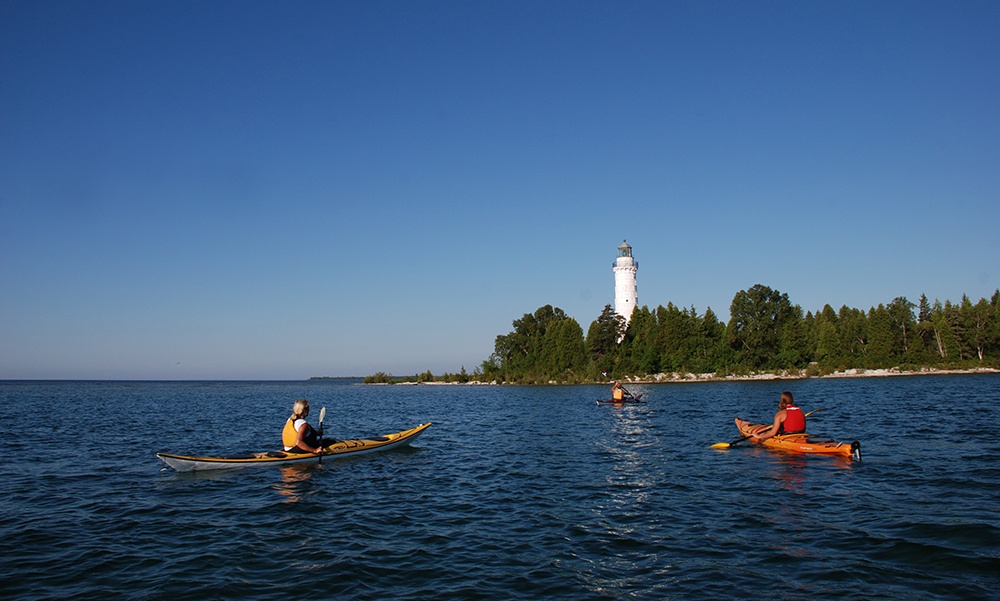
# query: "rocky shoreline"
{"points": [[670, 378], [849, 373]]}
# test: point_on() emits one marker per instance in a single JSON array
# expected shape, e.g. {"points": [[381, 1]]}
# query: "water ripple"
{"points": [[514, 493]]}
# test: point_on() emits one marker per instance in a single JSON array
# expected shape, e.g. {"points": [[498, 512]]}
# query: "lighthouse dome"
{"points": [[624, 249]]}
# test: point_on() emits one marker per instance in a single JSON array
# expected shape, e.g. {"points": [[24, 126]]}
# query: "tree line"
{"points": [[765, 333]]}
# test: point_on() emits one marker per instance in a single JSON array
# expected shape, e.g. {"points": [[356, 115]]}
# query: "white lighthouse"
{"points": [[626, 292]]}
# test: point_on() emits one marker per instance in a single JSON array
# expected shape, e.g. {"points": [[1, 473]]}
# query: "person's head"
{"points": [[786, 400], [300, 409]]}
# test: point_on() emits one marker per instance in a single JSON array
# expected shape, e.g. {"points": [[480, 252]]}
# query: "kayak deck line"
{"points": [[801, 442], [335, 450]]}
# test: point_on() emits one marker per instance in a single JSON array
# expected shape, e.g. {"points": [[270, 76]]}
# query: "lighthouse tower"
{"points": [[626, 292]]}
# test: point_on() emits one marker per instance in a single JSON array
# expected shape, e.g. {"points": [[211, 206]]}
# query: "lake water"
{"points": [[513, 493]]}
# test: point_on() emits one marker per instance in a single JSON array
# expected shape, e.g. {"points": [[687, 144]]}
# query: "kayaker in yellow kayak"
{"points": [[619, 394], [788, 420], [298, 436]]}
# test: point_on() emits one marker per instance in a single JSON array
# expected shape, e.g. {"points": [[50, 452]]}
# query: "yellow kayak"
{"points": [[336, 450], [799, 443]]}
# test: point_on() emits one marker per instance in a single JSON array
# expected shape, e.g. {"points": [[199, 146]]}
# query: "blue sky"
{"points": [[265, 190]]}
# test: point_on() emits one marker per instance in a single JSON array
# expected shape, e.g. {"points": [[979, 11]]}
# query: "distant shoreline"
{"points": [[677, 378]]}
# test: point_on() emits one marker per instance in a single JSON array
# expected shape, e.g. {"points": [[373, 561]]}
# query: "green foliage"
{"points": [[766, 332], [827, 337], [903, 323], [542, 345], [379, 378], [603, 337], [880, 337], [759, 327]]}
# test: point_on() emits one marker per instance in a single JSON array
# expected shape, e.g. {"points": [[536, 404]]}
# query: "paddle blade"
{"points": [[322, 414], [726, 445]]}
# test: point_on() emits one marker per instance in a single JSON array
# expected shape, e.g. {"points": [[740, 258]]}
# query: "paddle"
{"points": [[322, 416], [726, 445]]}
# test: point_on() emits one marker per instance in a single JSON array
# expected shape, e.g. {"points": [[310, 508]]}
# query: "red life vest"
{"points": [[795, 420]]}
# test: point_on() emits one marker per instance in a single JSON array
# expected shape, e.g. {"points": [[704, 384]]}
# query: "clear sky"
{"points": [[279, 190]]}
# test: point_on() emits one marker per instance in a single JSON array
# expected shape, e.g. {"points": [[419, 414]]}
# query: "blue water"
{"points": [[514, 493]]}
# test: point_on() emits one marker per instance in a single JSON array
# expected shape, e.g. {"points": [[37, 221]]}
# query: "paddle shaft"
{"points": [[322, 415]]}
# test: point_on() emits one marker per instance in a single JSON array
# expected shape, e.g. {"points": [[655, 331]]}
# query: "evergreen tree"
{"points": [[602, 339], [947, 343], [925, 329], [642, 338], [925, 310], [674, 325], [977, 320], [708, 336], [901, 312], [810, 325], [829, 350], [853, 335], [879, 348], [952, 314], [993, 329], [563, 347], [522, 352], [757, 317]]}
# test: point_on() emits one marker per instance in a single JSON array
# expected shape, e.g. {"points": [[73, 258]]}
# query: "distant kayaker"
{"points": [[298, 436], [619, 394], [788, 420]]}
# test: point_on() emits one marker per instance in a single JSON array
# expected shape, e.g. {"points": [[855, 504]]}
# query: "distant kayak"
{"points": [[799, 443], [633, 399], [336, 450]]}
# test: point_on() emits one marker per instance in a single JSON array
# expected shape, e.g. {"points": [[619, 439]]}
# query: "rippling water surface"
{"points": [[513, 493]]}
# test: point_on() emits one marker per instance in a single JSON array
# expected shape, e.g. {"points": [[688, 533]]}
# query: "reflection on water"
{"points": [[801, 498], [791, 469], [292, 479], [622, 524], [631, 476], [790, 472]]}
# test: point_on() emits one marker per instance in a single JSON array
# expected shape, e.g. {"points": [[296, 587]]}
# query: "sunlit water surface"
{"points": [[513, 493]]}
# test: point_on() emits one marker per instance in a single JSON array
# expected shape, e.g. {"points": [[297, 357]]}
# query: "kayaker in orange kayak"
{"points": [[298, 436], [788, 420]]}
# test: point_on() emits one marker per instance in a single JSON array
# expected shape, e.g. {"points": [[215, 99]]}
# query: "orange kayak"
{"points": [[799, 443]]}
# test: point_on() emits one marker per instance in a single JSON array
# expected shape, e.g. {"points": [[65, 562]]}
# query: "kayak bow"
{"points": [[800, 443], [336, 450]]}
